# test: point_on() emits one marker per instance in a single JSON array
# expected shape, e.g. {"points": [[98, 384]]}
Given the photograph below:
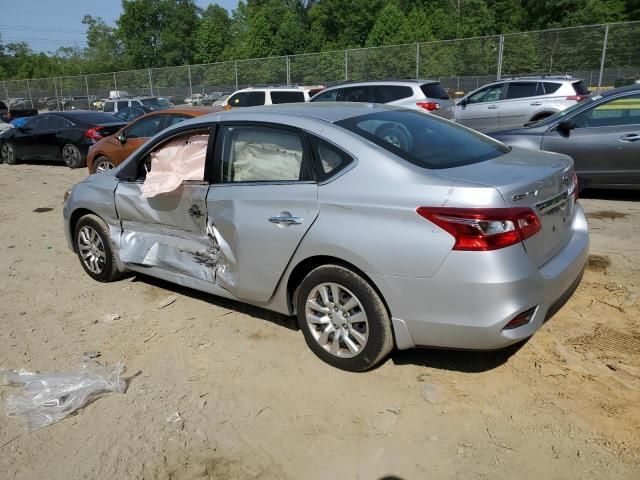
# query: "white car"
{"points": [[253, 97]]}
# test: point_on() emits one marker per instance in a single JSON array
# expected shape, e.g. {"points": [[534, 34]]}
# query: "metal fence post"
{"points": [[417, 61], [86, 84], [29, 91], [235, 66], [150, 84], [6, 92], [288, 62], [346, 65], [604, 55], [190, 87], [500, 57], [115, 84]]}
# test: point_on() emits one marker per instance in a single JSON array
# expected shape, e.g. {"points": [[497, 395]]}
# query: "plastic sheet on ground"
{"points": [[45, 398]]}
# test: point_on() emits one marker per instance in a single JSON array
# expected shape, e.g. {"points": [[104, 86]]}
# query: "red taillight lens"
{"points": [[429, 106], [520, 320], [484, 228], [94, 133], [577, 98]]}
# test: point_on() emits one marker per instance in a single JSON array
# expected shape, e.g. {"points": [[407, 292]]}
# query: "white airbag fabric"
{"points": [[175, 162]]}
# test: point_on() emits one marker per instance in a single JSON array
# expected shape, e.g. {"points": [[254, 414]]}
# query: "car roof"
{"points": [[326, 111], [192, 111], [615, 91], [400, 82]]}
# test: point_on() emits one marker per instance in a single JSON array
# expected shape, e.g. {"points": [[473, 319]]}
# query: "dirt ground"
{"points": [[254, 402]]}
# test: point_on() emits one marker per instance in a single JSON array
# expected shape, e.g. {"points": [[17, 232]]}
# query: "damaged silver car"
{"points": [[378, 227]]}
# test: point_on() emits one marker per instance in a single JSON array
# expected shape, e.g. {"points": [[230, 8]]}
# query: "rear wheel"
{"points": [[8, 154], [343, 319], [72, 156], [102, 164], [93, 244]]}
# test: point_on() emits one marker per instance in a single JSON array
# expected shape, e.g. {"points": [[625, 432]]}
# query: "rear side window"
{"points": [[145, 127], [108, 107], [262, 154], [123, 104], [424, 140], [55, 122], [287, 97], [550, 87], [327, 96], [524, 89], [256, 99], [37, 123], [434, 90], [390, 93], [329, 158], [355, 94], [580, 88]]}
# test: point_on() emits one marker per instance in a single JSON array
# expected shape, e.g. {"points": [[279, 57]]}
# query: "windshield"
{"points": [[562, 114], [424, 140]]}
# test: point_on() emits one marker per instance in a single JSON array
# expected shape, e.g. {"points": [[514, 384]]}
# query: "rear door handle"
{"points": [[492, 107], [536, 104], [632, 137], [285, 219]]}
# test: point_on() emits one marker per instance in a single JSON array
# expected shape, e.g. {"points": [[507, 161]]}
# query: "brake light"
{"points": [[575, 187], [94, 133], [482, 229], [429, 106], [577, 98]]}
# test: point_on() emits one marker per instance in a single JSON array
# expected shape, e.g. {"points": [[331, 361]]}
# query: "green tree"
{"points": [[103, 48], [212, 35]]}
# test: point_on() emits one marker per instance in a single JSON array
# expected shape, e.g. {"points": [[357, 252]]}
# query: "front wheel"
{"points": [[92, 242], [102, 164], [8, 154], [343, 319], [72, 156]]}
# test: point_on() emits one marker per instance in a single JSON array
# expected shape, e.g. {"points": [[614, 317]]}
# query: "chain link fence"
{"points": [[605, 56]]}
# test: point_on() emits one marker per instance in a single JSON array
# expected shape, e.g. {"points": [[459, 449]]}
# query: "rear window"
{"points": [[390, 93], [95, 118], [551, 87], [287, 97], [434, 90], [580, 88], [424, 140]]}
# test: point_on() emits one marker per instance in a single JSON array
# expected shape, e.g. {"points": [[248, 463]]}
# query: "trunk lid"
{"points": [[541, 181]]}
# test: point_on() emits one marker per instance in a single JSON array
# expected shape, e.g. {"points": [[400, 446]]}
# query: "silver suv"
{"points": [[424, 95], [519, 100]]}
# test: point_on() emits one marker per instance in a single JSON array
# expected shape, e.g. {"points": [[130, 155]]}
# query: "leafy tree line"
{"points": [[157, 33]]}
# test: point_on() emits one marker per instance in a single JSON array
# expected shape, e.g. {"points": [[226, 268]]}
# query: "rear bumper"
{"points": [[471, 298]]}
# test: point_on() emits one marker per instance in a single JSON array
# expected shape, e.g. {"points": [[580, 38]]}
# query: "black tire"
{"points": [[72, 156], [9, 154], [379, 340], [109, 268], [99, 160]]}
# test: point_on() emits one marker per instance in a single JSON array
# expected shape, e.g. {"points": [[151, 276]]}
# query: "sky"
{"points": [[47, 25]]}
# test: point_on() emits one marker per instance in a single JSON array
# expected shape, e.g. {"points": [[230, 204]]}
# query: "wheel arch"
{"points": [[305, 266]]}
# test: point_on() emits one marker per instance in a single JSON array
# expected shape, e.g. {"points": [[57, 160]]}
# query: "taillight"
{"points": [[575, 187], [577, 98], [484, 229], [94, 133], [520, 320], [429, 106]]}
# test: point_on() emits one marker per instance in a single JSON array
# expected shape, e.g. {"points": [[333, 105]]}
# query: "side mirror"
{"points": [[463, 102], [122, 138], [566, 126]]}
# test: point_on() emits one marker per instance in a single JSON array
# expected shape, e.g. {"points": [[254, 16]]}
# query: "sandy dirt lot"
{"points": [[254, 402]]}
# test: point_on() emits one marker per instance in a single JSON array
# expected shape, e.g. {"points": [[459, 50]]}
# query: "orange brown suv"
{"points": [[113, 150]]}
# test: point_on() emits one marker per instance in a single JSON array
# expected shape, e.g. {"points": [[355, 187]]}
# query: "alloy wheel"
{"points": [[8, 154], [70, 155], [104, 166], [337, 320], [91, 249]]}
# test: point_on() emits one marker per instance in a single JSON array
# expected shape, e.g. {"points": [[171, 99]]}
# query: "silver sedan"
{"points": [[378, 227]]}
